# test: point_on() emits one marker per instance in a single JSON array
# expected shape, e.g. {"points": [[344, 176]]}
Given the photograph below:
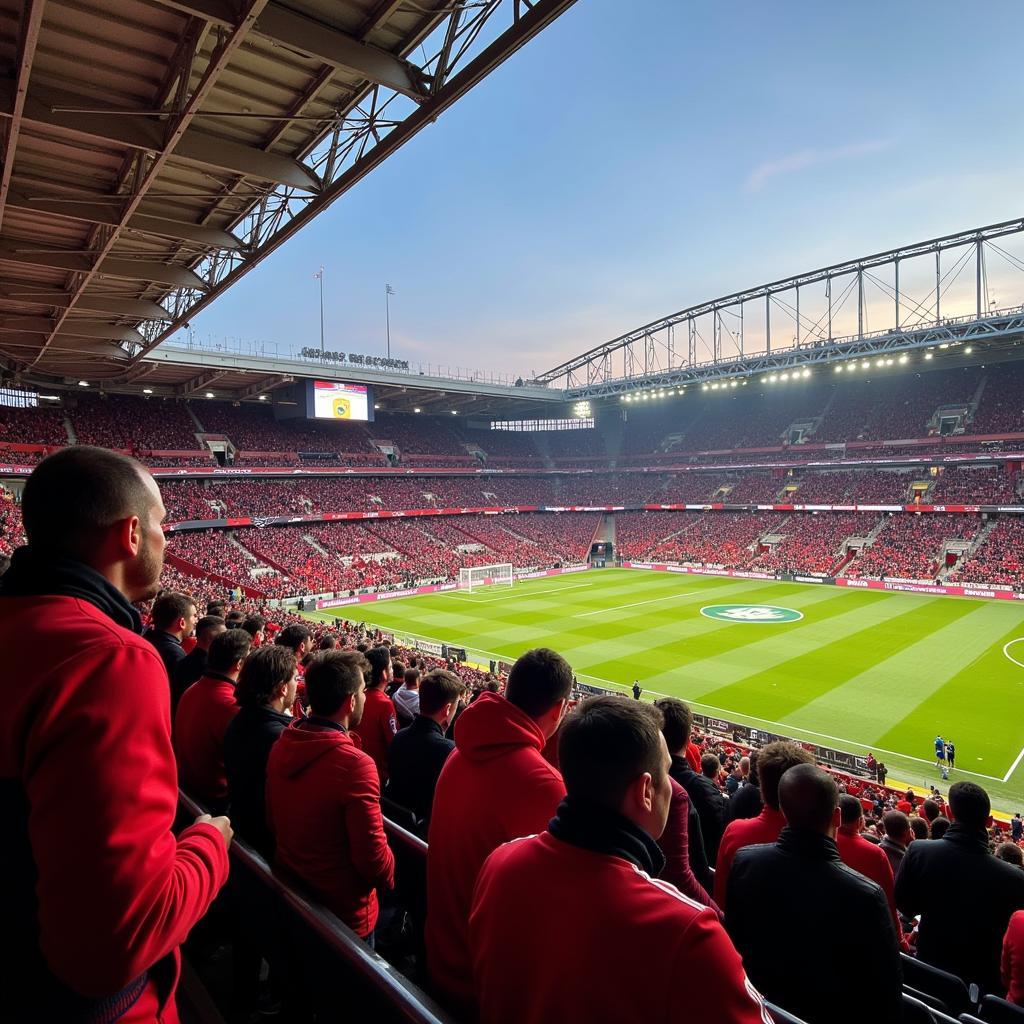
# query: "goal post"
{"points": [[486, 576]]}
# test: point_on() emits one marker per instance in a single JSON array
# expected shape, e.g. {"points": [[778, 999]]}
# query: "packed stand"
{"points": [[999, 558], [1001, 409], [812, 542], [121, 421], [910, 546], [32, 426], [983, 486]]}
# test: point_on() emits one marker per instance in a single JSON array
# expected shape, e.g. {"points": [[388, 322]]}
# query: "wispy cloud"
{"points": [[805, 158]]}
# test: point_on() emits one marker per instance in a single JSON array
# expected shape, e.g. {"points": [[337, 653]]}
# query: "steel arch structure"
{"points": [[712, 340]]}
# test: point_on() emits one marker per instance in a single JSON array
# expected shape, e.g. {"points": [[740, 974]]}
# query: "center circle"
{"points": [[1006, 651], [750, 613]]}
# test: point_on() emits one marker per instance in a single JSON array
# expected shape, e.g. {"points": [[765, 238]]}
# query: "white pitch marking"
{"points": [[1013, 767], [636, 604], [1006, 651], [528, 593]]}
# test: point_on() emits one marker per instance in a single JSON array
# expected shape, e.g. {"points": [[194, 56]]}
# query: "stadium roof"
{"points": [[154, 151]]}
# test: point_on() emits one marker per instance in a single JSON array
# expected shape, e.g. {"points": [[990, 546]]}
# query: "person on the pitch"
{"points": [[940, 751], [950, 754], [636, 689]]}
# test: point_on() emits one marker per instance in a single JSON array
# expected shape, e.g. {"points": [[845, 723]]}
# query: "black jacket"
{"points": [[746, 802], [168, 647], [415, 759], [802, 920], [709, 801], [251, 734], [965, 897], [186, 672]]}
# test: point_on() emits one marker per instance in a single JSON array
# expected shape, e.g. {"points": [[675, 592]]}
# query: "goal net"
{"points": [[485, 576]]}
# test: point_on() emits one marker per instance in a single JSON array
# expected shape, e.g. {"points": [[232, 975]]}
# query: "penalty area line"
{"points": [[517, 593]]}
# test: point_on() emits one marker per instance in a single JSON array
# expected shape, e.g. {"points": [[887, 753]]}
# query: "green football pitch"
{"points": [[852, 669]]}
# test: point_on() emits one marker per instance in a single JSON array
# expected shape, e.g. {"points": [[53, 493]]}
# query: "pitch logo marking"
{"points": [[750, 613]]}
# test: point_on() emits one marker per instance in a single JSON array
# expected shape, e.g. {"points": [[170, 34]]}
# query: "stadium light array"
{"points": [[968, 350], [455, 412], [928, 355], [147, 391], [417, 409], [581, 410], [263, 398], [83, 383], [209, 394]]}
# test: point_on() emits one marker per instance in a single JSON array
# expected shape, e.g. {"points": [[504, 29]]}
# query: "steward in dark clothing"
{"points": [[965, 897], [247, 744], [415, 759], [745, 803], [708, 801], [798, 914]]}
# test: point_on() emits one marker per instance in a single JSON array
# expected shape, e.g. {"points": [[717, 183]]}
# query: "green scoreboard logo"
{"points": [[750, 613]]}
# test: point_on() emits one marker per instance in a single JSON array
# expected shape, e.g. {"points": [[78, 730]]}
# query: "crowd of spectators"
{"points": [[911, 546], [123, 421], [33, 425], [12, 534], [981, 486], [999, 558], [1001, 409], [812, 542]]}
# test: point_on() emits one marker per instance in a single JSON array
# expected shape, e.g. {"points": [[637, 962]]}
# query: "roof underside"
{"points": [[153, 151]]}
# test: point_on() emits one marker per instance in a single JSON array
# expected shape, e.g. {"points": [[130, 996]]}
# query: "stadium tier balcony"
{"points": [[910, 546], [253, 428], [755, 488], [121, 421], [1001, 408], [982, 486], [999, 558], [34, 426], [212, 550]]}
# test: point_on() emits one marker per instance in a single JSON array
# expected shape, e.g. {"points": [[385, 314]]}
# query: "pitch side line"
{"points": [[529, 593], [635, 604], [781, 726]]}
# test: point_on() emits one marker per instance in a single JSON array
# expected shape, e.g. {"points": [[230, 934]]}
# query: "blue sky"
{"points": [[642, 155]]}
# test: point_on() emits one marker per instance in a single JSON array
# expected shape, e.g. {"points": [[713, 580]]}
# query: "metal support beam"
{"points": [[200, 382], [58, 109], [317, 39], [524, 27], [31, 20], [100, 210], [219, 60]]}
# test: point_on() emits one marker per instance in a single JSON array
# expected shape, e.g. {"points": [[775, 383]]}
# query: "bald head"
{"points": [[808, 797]]}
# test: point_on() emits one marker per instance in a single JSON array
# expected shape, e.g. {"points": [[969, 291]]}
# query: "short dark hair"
{"points": [[209, 626], [230, 647], [293, 636], [930, 810], [379, 659], [850, 809], [896, 824], [438, 688], [808, 796], [254, 624], [234, 618], [217, 607], [105, 487], [970, 804], [538, 681], [411, 676], [264, 671], [939, 826], [332, 677], [919, 827], [169, 607], [327, 643], [710, 765], [774, 760], [678, 722], [605, 743], [1011, 853]]}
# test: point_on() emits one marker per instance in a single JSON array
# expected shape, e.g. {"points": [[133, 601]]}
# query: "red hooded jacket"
{"points": [[323, 806], [200, 721], [495, 786], [85, 751], [377, 728], [561, 933]]}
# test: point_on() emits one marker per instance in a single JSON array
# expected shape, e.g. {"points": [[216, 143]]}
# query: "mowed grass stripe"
{"points": [[883, 691], [762, 650], [978, 705], [689, 642]]}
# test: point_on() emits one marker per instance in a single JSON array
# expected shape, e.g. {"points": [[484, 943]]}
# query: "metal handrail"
{"points": [[409, 1001]]}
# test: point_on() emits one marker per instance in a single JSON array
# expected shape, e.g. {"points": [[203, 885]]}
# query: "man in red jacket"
{"points": [[495, 786], [379, 723], [773, 760], [323, 797], [101, 893], [204, 713], [863, 856], [549, 910]]}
